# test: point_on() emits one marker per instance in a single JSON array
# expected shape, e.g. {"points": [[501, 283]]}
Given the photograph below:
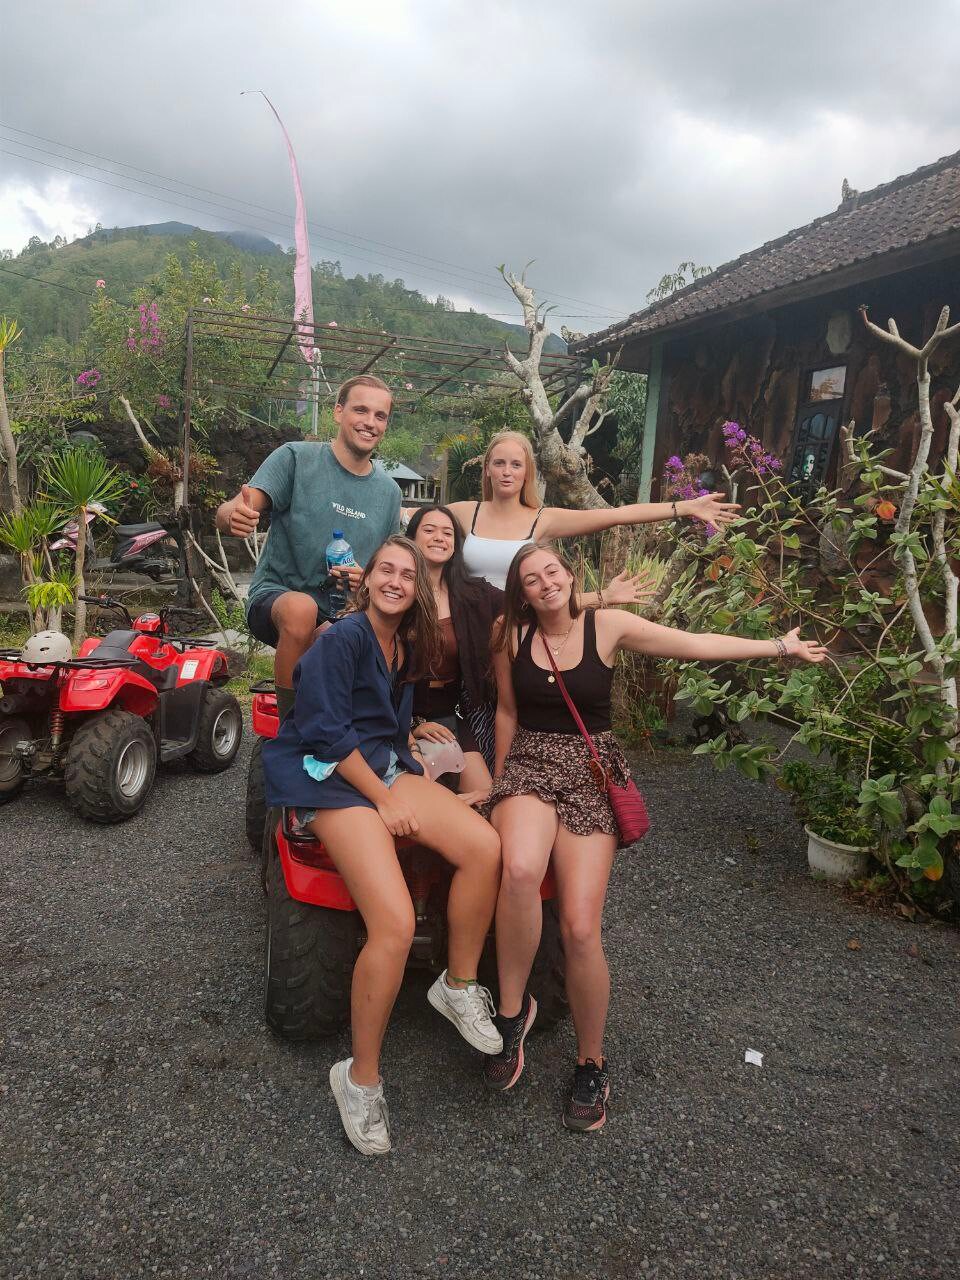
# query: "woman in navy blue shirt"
{"points": [[342, 759]]}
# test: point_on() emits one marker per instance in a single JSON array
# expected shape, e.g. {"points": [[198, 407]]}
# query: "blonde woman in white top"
{"points": [[510, 515]]}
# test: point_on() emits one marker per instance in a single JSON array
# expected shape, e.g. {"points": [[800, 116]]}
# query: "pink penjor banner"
{"points": [[302, 279]]}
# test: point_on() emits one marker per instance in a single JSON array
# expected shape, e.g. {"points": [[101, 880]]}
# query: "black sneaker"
{"points": [[586, 1107], [502, 1070]]}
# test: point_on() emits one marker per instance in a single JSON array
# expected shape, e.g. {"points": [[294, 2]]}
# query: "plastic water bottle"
{"points": [[339, 555]]}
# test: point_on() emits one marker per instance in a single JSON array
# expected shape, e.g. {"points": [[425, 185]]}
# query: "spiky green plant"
{"points": [[74, 480]]}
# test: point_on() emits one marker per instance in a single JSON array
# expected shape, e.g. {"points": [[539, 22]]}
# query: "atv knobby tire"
{"points": [[310, 953], [219, 732], [255, 814], [110, 765], [13, 729]]}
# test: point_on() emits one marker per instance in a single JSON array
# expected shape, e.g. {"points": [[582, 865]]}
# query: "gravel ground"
{"points": [[152, 1126]]}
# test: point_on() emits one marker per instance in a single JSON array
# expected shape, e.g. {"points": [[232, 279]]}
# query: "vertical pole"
{"points": [[187, 406], [649, 443], [316, 393]]}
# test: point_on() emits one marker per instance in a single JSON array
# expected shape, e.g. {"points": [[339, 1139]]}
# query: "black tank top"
{"points": [[540, 703]]}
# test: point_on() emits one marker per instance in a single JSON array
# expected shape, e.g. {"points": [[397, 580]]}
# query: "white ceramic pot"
{"points": [[835, 861]]}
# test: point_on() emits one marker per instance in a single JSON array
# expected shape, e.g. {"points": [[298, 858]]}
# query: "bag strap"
{"points": [[572, 708]]}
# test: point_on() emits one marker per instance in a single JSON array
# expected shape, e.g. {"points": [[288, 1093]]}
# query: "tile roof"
{"points": [[916, 207]]}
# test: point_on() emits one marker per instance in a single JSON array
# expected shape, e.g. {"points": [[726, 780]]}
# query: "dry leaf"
{"points": [[853, 944], [913, 950]]}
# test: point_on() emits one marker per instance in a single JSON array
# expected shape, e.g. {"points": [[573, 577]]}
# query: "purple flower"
{"points": [[163, 402], [89, 378]]}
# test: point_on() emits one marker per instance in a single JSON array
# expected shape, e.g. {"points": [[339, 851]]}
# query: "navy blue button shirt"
{"points": [[346, 700]]}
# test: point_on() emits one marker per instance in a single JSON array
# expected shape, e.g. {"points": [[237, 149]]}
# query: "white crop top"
{"points": [[490, 558]]}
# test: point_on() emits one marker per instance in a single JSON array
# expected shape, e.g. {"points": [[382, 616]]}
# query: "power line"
{"points": [[460, 269], [38, 280], [259, 224]]}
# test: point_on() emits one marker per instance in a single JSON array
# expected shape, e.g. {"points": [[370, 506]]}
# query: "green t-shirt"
{"points": [[311, 494]]}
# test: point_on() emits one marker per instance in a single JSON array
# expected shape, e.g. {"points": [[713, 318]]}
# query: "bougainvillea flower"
{"points": [[101, 284], [163, 402]]}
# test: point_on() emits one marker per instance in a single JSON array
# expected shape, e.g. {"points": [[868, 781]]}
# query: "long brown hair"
{"points": [[529, 496], [517, 609], [419, 628]]}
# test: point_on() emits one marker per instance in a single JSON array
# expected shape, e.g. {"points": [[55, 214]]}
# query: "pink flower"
{"points": [[245, 307], [101, 284], [163, 402], [332, 324], [88, 379], [408, 386]]}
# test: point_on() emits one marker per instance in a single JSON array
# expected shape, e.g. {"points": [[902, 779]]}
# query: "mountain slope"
{"points": [[47, 288]]}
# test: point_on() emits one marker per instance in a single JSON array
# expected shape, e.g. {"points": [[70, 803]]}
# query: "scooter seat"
{"points": [[133, 530]]}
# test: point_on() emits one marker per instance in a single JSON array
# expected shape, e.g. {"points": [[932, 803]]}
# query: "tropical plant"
{"points": [[75, 479], [828, 803]]}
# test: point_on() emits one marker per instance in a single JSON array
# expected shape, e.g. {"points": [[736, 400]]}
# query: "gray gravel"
{"points": [[152, 1126]]}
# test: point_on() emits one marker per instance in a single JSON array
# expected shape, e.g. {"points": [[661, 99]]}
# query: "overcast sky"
{"points": [[437, 138]]}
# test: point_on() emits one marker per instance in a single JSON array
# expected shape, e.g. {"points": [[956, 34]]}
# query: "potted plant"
{"points": [[839, 839]]}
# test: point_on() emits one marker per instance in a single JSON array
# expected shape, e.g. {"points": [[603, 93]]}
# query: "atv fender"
{"points": [[201, 664], [94, 690]]}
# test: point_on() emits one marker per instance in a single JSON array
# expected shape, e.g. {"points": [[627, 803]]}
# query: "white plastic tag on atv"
{"points": [[189, 669]]}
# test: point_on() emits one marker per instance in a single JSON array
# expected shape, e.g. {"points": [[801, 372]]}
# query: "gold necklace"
{"points": [[551, 678]]}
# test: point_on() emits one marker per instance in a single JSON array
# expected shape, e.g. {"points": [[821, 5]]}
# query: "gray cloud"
{"points": [[607, 141]]}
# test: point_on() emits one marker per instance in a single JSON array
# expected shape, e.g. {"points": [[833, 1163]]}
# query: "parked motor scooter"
{"points": [[157, 549]]}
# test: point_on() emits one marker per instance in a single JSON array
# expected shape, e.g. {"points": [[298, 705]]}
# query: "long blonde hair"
{"points": [[529, 494]]}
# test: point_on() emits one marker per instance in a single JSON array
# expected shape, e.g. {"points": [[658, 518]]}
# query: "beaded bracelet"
{"points": [[781, 649]]}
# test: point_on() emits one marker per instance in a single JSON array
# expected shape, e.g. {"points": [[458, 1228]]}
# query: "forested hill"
{"points": [[47, 288]]}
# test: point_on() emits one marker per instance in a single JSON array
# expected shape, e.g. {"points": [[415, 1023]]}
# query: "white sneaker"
{"points": [[363, 1111], [471, 1010]]}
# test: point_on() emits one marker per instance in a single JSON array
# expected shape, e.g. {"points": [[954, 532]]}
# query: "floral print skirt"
{"points": [[556, 768]]}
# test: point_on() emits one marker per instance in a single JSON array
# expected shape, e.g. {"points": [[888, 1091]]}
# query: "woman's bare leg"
{"points": [[476, 775], [472, 847], [528, 828], [363, 851], [582, 867]]}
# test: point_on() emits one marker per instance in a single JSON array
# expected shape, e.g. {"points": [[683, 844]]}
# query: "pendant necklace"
{"points": [[556, 651]]}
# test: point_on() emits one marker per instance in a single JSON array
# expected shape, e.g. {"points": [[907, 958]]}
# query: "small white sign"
{"points": [[189, 669]]}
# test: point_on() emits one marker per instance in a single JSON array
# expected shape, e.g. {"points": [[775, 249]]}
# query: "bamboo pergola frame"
{"points": [[415, 367]]}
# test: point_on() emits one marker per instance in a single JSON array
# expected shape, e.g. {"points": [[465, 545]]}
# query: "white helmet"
{"points": [[47, 646]]}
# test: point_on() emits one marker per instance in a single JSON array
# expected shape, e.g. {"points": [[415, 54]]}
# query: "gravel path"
{"points": [[152, 1126]]}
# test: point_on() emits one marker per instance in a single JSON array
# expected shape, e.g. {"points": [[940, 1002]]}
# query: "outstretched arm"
{"points": [[619, 630], [560, 522]]}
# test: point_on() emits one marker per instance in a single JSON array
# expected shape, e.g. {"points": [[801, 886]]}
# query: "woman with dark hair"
{"points": [[343, 762], [549, 797], [455, 699]]}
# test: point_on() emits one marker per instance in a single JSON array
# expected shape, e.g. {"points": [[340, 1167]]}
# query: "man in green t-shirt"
{"points": [[310, 490]]}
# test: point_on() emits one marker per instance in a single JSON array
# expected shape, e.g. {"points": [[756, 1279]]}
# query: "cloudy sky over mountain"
{"points": [[438, 138]]}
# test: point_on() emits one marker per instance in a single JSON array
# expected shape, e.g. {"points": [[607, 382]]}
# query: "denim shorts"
{"points": [[303, 817]]}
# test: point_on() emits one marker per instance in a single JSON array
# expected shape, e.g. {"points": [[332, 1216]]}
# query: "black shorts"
{"points": [[260, 622]]}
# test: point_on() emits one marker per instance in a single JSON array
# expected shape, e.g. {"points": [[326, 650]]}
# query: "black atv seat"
{"points": [[115, 644], [132, 530]]}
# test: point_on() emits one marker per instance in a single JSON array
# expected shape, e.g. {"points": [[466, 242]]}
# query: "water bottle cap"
{"points": [[338, 533]]}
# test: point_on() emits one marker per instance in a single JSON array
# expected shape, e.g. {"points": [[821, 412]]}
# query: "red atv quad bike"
{"points": [[102, 720], [314, 930]]}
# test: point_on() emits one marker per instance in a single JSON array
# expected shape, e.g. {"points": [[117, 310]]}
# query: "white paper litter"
{"points": [[752, 1056]]}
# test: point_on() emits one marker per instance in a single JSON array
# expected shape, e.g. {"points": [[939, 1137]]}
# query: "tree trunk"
{"points": [[9, 446], [80, 616]]}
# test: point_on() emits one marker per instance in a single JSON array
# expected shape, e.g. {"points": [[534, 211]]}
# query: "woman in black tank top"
{"points": [[546, 804]]}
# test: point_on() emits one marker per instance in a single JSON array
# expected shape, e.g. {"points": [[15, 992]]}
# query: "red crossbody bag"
{"points": [[626, 802]]}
